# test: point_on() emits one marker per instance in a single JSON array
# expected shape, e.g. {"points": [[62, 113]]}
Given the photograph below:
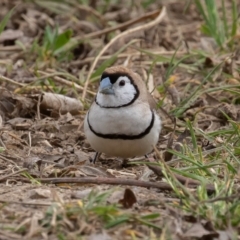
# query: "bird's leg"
{"points": [[96, 157]]}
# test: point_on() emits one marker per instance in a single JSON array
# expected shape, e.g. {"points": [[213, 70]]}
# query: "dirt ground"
{"points": [[41, 133]]}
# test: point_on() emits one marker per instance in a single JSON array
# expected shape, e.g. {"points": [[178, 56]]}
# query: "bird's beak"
{"points": [[106, 86]]}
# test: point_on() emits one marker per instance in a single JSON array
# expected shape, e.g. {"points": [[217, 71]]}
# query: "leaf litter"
{"points": [[51, 56]]}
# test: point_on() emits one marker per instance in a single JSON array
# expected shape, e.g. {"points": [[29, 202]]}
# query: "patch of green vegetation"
{"points": [[216, 24], [5, 20], [217, 167], [52, 49], [95, 208], [30, 178]]}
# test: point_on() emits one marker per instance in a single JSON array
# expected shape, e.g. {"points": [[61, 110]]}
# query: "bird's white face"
{"points": [[116, 90]]}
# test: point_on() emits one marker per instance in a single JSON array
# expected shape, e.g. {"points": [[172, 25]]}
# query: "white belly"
{"points": [[128, 122]]}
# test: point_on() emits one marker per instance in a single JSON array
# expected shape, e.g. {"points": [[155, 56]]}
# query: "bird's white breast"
{"points": [[130, 120]]}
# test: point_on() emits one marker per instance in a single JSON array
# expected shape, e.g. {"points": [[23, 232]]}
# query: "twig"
{"points": [[10, 48], [17, 138], [38, 107], [124, 55], [62, 81], [71, 84], [91, 11], [29, 143], [5, 79], [113, 181], [8, 160], [44, 203], [2, 143], [28, 203], [55, 76], [120, 26], [12, 174], [127, 32]]}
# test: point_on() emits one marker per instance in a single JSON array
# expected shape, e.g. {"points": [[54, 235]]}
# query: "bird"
{"points": [[122, 121]]}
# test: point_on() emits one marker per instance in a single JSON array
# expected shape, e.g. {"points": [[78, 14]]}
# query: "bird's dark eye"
{"points": [[122, 83]]}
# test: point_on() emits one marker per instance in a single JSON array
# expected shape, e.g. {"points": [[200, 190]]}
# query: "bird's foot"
{"points": [[96, 157]]}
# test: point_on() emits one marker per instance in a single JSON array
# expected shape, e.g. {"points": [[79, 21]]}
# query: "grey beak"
{"points": [[106, 86]]}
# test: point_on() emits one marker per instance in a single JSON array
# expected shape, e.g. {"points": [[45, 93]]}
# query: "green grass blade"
{"points": [[119, 220], [62, 39], [234, 18], [201, 10], [188, 101], [5, 20], [194, 140], [190, 175], [225, 24]]}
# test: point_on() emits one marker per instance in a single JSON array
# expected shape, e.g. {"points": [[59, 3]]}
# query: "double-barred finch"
{"points": [[122, 121]]}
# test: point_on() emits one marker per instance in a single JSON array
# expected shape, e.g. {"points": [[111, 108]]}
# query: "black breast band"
{"points": [[123, 136]]}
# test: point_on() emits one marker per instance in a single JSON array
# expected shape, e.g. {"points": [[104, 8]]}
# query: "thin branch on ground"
{"points": [[63, 81], [114, 181], [6, 79], [12, 174]]}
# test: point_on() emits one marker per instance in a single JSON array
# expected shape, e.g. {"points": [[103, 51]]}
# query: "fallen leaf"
{"points": [[198, 231], [208, 62], [129, 198], [40, 193]]}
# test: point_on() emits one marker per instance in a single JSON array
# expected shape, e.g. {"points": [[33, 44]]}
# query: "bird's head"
{"points": [[119, 86]]}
